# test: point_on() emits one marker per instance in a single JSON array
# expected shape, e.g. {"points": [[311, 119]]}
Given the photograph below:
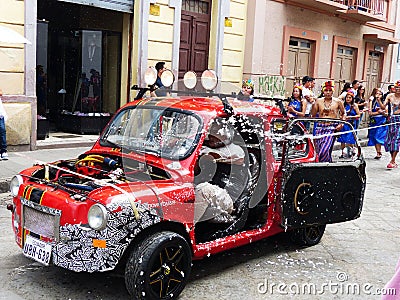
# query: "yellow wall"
{"points": [[160, 38], [18, 125], [161, 35], [234, 42], [12, 75], [12, 55]]}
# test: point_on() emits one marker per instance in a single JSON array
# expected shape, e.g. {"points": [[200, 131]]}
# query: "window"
{"points": [[196, 6]]}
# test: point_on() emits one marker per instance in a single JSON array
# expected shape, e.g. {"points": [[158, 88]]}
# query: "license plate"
{"points": [[37, 250]]}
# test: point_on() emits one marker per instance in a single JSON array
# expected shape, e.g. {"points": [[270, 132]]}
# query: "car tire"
{"points": [[162, 259], [308, 236]]}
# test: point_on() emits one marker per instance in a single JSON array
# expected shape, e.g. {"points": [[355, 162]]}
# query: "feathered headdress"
{"points": [[328, 85], [298, 85], [248, 83], [397, 83]]}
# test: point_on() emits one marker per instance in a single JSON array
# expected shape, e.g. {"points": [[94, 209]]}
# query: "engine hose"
{"points": [[98, 158], [79, 186]]}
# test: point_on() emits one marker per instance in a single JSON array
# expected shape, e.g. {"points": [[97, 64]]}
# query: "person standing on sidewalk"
{"points": [[392, 140], [3, 140]]}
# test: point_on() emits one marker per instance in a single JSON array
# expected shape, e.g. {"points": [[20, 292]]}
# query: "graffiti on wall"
{"points": [[271, 85]]}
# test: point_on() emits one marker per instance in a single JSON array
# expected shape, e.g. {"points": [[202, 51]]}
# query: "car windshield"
{"points": [[163, 132]]}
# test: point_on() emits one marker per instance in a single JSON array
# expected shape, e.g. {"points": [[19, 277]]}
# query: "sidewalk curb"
{"points": [[65, 145]]}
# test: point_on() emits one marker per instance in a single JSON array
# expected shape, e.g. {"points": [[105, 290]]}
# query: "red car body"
{"points": [[53, 200]]}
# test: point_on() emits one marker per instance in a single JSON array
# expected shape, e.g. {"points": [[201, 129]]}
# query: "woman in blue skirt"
{"points": [[348, 139], [392, 141], [377, 119]]}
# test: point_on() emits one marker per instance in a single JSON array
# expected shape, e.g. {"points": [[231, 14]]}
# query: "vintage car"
{"points": [[153, 193]]}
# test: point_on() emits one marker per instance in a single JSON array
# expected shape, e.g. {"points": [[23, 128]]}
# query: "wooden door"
{"points": [[195, 36], [373, 71], [299, 62], [344, 67]]}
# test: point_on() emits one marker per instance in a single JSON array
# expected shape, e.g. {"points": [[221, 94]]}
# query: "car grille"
{"points": [[41, 220]]}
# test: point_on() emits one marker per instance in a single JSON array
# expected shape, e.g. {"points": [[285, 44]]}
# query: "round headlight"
{"points": [[167, 78], [16, 181], [209, 80], [150, 76], [97, 217], [190, 79]]}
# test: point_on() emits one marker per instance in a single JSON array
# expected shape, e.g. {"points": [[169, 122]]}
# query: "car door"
{"points": [[316, 193]]}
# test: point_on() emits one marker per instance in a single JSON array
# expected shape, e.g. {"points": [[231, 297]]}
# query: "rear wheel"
{"points": [[158, 267], [308, 236]]}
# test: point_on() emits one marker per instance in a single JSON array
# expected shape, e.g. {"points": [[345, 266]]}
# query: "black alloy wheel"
{"points": [[158, 267]]}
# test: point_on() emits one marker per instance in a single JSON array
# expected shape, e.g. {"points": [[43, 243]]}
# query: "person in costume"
{"points": [[327, 107], [347, 140], [247, 91], [392, 139], [296, 106], [377, 119]]}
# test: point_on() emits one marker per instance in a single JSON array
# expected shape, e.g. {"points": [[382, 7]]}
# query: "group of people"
{"points": [[383, 109], [385, 122], [350, 106]]}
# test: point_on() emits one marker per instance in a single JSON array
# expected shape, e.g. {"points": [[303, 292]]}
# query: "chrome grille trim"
{"points": [[43, 212]]}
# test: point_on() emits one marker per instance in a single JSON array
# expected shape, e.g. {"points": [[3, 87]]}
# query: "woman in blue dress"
{"points": [[296, 107], [347, 139], [377, 119]]}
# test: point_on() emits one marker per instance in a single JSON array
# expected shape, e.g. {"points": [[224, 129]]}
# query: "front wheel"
{"points": [[308, 236], [158, 267]]}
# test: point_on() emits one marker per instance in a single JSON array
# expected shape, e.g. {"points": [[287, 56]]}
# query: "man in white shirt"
{"points": [[308, 94]]}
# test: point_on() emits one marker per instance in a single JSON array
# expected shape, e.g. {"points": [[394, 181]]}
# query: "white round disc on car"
{"points": [[97, 217], [167, 78], [209, 80], [190, 79], [150, 76]]}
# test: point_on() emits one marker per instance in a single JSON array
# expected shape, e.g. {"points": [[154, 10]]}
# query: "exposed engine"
{"points": [[93, 171], [83, 174]]}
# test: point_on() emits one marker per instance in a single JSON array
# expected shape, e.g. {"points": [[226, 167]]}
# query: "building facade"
{"points": [[193, 35], [17, 76], [85, 55], [338, 40]]}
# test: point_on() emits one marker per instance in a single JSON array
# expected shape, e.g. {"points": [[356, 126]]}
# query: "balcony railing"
{"points": [[361, 11], [374, 7]]}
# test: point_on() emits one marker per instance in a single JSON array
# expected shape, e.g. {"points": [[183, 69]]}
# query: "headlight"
{"points": [[16, 181], [97, 217]]}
